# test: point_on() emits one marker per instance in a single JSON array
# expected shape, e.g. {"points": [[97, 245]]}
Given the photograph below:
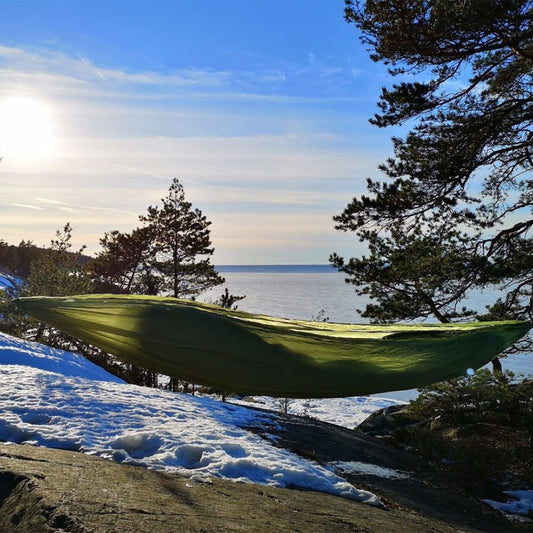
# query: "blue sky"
{"points": [[259, 107]]}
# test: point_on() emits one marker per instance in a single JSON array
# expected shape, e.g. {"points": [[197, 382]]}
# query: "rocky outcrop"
{"points": [[47, 490], [383, 422]]}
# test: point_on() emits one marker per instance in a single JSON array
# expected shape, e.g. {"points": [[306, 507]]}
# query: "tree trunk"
{"points": [[497, 366]]}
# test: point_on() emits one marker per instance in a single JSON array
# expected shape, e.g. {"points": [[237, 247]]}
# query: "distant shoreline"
{"points": [[302, 269]]}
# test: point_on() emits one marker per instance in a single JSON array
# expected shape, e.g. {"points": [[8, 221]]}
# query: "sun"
{"points": [[25, 128]]}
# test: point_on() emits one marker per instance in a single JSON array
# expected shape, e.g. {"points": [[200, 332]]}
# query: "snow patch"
{"points": [[7, 282], [346, 412], [357, 467], [521, 504], [32, 354], [60, 400]]}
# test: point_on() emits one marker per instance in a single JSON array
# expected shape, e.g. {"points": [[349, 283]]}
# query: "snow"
{"points": [[15, 351], [6, 282], [521, 503], [60, 400], [358, 467], [346, 412]]}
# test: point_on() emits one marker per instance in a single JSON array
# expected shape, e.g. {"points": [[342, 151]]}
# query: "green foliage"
{"points": [[453, 212], [59, 271], [413, 275], [227, 300], [123, 266], [169, 254], [53, 271], [484, 396], [17, 259], [181, 245], [12, 321], [478, 430]]}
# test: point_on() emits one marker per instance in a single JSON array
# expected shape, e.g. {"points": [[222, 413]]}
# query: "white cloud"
{"points": [[58, 65], [59, 73], [48, 201], [267, 170], [27, 206]]}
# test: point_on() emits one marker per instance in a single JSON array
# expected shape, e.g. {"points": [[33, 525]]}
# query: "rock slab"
{"points": [[48, 490]]}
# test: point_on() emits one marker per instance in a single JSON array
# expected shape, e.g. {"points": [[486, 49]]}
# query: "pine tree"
{"points": [[453, 212], [181, 246], [124, 264], [59, 271], [168, 255]]}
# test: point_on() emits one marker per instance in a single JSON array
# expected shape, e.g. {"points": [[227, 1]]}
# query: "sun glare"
{"points": [[25, 129]]}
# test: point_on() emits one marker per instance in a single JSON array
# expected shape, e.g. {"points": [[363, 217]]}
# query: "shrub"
{"points": [[484, 397], [478, 429]]}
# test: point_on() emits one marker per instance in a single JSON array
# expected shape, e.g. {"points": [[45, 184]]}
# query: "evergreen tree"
{"points": [[169, 254], [453, 212], [228, 300], [52, 271], [181, 246], [16, 259], [59, 271], [124, 264]]}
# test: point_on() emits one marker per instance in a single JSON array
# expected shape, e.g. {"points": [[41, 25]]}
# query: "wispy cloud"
{"points": [[265, 154], [111, 211], [27, 206], [140, 171], [56, 71], [81, 68], [49, 201]]}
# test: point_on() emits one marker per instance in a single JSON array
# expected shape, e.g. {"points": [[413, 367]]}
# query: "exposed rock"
{"points": [[47, 490], [421, 489], [383, 422]]}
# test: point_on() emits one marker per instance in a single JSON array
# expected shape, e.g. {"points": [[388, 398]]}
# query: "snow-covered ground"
{"points": [[519, 506], [60, 400], [6, 282], [347, 412]]}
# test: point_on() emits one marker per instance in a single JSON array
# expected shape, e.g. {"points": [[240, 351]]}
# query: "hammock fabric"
{"points": [[255, 354]]}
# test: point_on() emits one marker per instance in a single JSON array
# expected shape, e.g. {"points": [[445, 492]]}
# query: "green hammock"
{"points": [[256, 354]]}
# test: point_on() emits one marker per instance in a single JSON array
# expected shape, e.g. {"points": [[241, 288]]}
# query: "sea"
{"points": [[317, 292]]}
